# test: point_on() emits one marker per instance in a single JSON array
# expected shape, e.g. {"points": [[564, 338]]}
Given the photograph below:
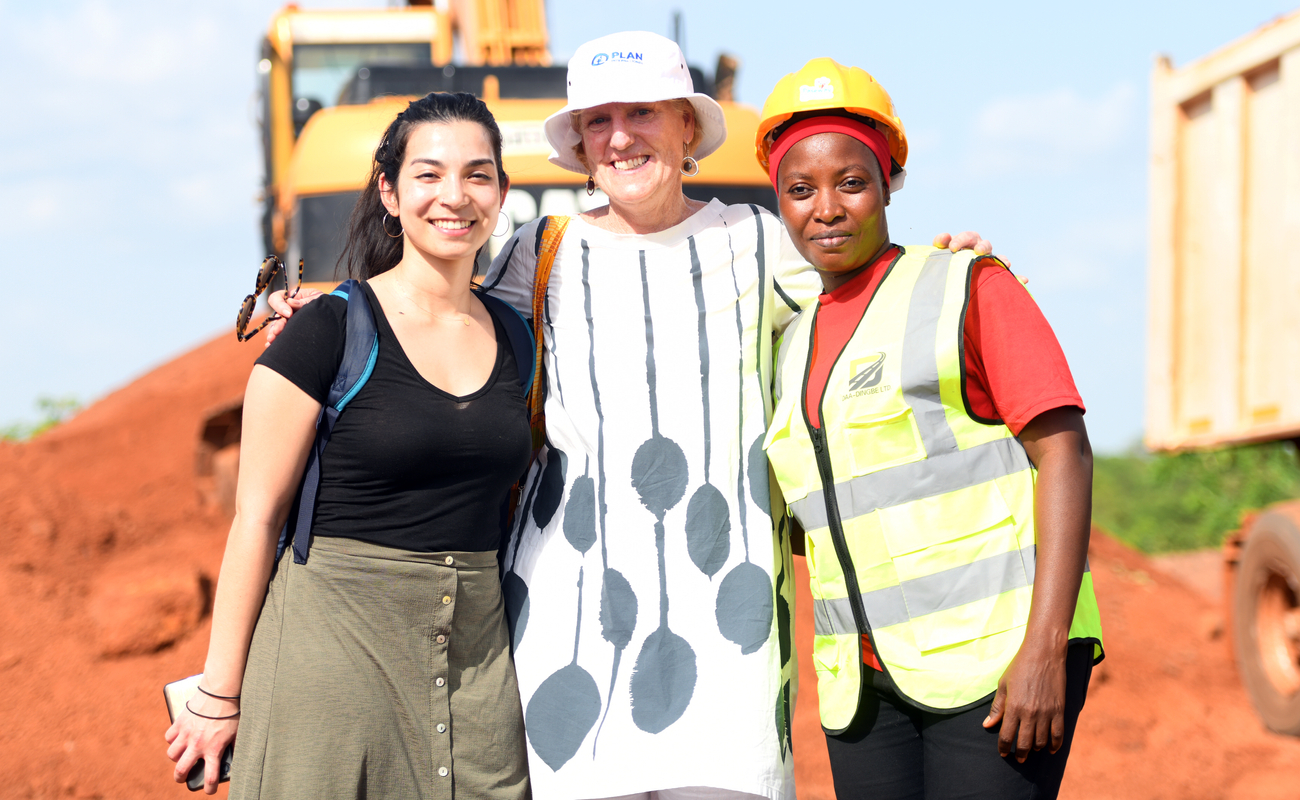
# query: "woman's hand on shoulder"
{"points": [[192, 737], [970, 240], [966, 240], [284, 305]]}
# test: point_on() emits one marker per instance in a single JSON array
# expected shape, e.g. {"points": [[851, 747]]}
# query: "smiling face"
{"points": [[832, 200], [635, 150], [449, 193]]}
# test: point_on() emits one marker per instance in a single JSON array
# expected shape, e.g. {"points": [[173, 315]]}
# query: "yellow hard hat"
{"points": [[822, 85]]}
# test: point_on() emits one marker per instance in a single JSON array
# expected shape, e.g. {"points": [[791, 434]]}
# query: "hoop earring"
{"points": [[690, 167], [591, 185], [384, 224], [501, 216]]}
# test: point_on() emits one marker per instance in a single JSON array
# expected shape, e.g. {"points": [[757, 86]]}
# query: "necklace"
{"points": [[452, 317]]}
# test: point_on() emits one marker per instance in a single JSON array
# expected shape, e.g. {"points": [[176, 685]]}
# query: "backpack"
{"points": [[361, 350]]}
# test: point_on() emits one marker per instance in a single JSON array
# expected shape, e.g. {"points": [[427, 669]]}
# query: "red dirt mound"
{"points": [[109, 558], [107, 566]]}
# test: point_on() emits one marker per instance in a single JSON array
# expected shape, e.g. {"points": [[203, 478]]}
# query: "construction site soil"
{"points": [[109, 558]]}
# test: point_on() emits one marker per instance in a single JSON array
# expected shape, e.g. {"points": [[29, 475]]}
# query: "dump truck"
{"points": [[1224, 337], [331, 81]]}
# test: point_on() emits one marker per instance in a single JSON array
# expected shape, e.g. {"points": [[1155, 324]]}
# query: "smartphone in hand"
{"points": [[177, 693]]}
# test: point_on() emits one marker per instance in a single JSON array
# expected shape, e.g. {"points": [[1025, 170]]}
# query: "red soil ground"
{"points": [[106, 545]]}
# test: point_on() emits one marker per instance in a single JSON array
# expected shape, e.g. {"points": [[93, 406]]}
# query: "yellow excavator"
{"points": [[332, 80]]}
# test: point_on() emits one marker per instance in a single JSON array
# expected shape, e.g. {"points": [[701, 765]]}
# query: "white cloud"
{"points": [[1053, 132], [145, 118], [26, 204]]}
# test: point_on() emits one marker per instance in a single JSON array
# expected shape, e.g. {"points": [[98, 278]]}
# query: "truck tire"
{"points": [[1266, 619]]}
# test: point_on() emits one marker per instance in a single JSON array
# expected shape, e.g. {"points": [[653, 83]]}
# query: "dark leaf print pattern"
{"points": [[745, 596], [618, 604], [513, 589], [550, 488], [580, 512], [663, 680], [708, 519], [564, 708]]}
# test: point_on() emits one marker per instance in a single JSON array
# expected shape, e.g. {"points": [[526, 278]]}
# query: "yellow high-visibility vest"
{"points": [[919, 518]]}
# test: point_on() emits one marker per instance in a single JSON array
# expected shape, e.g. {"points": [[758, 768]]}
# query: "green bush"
{"points": [[1186, 501], [53, 411]]}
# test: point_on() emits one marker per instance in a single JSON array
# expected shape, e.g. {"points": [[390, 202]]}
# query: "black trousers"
{"points": [[895, 751]]}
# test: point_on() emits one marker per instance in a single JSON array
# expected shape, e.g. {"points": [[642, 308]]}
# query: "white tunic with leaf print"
{"points": [[648, 596]]}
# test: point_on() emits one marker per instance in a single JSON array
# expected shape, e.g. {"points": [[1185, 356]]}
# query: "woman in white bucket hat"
{"points": [[643, 78], [647, 580], [651, 613]]}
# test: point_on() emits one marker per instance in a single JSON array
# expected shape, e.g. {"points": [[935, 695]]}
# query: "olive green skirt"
{"points": [[382, 673]]}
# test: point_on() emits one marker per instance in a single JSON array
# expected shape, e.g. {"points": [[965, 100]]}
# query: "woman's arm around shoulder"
{"points": [[279, 426], [287, 305], [310, 349], [795, 284], [510, 277]]}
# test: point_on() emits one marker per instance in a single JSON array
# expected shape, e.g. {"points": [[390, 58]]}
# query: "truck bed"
{"points": [[1224, 268]]}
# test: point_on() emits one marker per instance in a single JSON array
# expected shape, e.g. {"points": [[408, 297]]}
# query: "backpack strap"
{"points": [[551, 232], [360, 350], [522, 343]]}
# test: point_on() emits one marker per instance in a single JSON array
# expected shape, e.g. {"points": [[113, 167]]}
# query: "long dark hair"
{"points": [[369, 249]]}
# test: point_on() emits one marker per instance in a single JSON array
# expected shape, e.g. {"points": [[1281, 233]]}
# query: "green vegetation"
{"points": [[53, 411], [1187, 501]]}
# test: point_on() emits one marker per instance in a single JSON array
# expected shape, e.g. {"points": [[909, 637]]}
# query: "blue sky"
{"points": [[129, 162]]}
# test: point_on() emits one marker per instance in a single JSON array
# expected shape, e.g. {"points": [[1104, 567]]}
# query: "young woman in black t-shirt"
{"points": [[353, 671]]}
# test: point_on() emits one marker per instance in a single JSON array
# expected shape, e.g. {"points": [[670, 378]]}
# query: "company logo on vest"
{"points": [[867, 372], [601, 58], [865, 375]]}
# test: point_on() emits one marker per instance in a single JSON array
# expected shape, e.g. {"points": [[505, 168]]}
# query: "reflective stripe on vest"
{"points": [[915, 481], [933, 508]]}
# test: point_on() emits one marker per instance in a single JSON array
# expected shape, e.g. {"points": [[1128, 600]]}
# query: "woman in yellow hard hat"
{"points": [[929, 440]]}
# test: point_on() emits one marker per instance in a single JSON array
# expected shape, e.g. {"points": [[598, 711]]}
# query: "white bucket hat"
{"points": [[630, 67]]}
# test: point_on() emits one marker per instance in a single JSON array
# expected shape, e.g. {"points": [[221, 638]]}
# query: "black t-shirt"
{"points": [[408, 465]]}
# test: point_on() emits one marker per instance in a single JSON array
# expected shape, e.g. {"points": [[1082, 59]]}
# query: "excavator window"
{"points": [[373, 80], [321, 70], [378, 80], [319, 230]]}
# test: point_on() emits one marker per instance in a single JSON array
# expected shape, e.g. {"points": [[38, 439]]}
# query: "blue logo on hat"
{"points": [[601, 58]]}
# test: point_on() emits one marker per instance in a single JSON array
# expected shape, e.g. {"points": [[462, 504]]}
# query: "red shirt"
{"points": [[1015, 369]]}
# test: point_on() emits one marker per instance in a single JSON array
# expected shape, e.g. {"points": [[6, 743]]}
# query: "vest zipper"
{"points": [[837, 530], [822, 452]]}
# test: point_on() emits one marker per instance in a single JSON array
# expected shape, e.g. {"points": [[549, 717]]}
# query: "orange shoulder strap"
{"points": [[552, 233]]}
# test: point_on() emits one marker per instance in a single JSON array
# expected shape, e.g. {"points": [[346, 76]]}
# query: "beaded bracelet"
{"points": [[205, 716], [217, 696]]}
